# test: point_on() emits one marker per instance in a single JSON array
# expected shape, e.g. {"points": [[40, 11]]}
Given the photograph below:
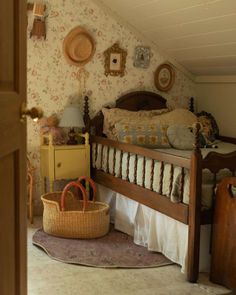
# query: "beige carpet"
{"points": [[47, 276]]}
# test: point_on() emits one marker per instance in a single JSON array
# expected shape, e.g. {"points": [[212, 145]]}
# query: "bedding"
{"points": [[177, 116], [115, 115], [100, 162], [148, 135]]}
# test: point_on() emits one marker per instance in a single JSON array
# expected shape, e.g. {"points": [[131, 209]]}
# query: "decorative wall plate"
{"points": [[142, 57], [115, 59], [164, 77]]}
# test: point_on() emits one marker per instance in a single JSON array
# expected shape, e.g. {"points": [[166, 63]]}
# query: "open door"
{"points": [[12, 148]]}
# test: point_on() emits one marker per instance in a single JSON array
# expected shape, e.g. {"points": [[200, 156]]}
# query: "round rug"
{"points": [[115, 250]]}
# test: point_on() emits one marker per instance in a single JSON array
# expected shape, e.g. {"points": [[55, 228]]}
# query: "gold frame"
{"points": [[117, 54], [171, 77]]}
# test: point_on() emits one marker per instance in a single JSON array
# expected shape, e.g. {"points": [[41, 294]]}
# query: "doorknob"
{"points": [[34, 113]]}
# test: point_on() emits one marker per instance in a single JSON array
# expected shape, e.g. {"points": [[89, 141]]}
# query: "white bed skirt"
{"points": [[154, 230]]}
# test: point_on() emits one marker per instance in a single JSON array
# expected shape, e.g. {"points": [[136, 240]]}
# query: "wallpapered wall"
{"points": [[52, 82]]}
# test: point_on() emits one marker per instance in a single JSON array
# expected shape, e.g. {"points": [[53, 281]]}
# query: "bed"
{"points": [[140, 173]]}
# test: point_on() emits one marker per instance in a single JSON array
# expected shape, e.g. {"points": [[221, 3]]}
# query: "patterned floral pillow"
{"points": [[115, 115], [148, 135]]}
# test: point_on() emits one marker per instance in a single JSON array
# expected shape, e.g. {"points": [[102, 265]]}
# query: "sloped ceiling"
{"points": [[199, 34]]}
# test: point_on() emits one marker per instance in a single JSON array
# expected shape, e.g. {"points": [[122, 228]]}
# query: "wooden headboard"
{"points": [[133, 101], [141, 100]]}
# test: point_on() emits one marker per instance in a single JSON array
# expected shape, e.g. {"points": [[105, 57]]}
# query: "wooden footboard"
{"points": [[178, 211], [188, 214], [133, 190]]}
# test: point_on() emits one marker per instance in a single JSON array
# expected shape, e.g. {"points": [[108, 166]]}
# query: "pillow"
{"points": [[177, 116], [149, 135], [210, 129], [180, 137], [115, 115]]}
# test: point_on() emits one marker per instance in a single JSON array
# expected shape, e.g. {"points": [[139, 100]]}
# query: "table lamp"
{"points": [[72, 118]]}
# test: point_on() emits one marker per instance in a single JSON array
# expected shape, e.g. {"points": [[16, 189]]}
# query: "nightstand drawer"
{"points": [[70, 163]]}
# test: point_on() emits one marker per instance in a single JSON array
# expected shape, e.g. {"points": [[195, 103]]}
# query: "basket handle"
{"points": [[67, 188], [91, 183]]}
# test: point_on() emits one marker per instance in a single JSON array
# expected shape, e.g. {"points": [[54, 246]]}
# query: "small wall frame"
{"points": [[115, 60], [142, 57]]}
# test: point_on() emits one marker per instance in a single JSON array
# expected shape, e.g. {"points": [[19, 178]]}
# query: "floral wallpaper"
{"points": [[52, 82]]}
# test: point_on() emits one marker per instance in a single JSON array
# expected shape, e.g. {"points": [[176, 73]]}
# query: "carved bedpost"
{"points": [[195, 209], [197, 145], [191, 104], [86, 114]]}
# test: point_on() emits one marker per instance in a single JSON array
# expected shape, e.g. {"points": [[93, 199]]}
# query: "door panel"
{"points": [[12, 148], [7, 213], [7, 49]]}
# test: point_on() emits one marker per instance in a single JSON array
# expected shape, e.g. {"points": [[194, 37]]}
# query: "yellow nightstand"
{"points": [[64, 161]]}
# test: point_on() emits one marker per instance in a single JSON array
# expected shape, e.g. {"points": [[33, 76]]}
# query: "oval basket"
{"points": [[66, 216]]}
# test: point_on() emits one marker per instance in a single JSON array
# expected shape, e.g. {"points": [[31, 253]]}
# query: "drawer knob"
{"points": [[59, 165]]}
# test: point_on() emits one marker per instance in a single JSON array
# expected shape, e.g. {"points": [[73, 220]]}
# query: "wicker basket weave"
{"points": [[66, 216]]}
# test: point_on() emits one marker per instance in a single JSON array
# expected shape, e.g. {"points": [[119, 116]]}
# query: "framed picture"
{"points": [[142, 57], [115, 60], [164, 77]]}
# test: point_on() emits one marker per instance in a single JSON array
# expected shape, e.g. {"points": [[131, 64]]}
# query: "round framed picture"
{"points": [[164, 77]]}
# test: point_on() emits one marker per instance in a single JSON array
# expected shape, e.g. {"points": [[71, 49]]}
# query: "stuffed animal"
{"points": [[50, 125]]}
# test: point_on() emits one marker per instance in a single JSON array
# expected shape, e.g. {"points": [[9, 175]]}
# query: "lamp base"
{"points": [[72, 137]]}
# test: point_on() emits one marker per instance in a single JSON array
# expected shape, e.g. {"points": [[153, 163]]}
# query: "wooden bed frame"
{"points": [[188, 214]]}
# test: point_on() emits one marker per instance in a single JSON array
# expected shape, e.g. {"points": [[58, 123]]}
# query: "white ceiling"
{"points": [[199, 34]]}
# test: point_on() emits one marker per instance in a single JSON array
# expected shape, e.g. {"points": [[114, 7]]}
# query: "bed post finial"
{"points": [[191, 104], [86, 113]]}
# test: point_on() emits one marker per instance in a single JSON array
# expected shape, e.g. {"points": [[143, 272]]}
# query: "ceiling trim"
{"points": [[215, 79], [165, 56]]}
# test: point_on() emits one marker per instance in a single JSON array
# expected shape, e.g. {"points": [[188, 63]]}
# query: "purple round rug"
{"points": [[115, 250]]}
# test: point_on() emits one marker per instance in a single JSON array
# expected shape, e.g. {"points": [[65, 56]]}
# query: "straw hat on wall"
{"points": [[78, 46]]}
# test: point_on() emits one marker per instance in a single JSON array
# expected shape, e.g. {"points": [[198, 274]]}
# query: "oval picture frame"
{"points": [[164, 77]]}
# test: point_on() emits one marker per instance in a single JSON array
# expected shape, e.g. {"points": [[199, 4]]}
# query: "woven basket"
{"points": [[66, 216]]}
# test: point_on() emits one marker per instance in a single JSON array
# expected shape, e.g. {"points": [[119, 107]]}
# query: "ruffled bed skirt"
{"points": [[155, 230]]}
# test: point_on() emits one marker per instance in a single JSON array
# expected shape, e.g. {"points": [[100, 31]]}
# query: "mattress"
{"points": [[104, 161]]}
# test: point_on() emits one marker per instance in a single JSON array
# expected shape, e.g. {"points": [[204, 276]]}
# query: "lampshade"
{"points": [[72, 117]]}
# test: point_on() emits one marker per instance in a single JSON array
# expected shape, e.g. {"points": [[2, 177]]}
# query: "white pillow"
{"points": [[180, 137]]}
